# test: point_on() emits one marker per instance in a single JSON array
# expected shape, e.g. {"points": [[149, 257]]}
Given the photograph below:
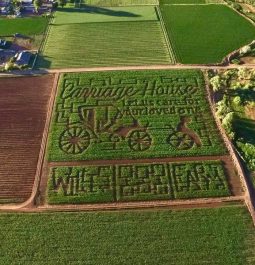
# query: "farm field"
{"points": [[109, 127], [126, 41], [142, 114], [26, 26], [194, 237], [177, 2], [137, 182], [205, 34], [90, 14], [23, 107], [120, 2]]}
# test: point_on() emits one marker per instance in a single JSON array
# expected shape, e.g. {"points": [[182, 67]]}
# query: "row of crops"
{"points": [[188, 236], [104, 44], [110, 33]]}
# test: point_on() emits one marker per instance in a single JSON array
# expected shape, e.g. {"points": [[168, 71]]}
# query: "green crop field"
{"points": [[125, 42], [120, 2], [205, 34], [26, 26], [170, 2], [134, 182], [98, 14], [222, 236], [143, 114]]}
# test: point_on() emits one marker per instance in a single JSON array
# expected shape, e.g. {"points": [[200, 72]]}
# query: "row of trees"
{"points": [[234, 93]]}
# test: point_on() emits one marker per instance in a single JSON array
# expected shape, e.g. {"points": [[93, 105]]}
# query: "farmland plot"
{"points": [[104, 120], [120, 2], [204, 34], [126, 36], [132, 182], [115, 115], [23, 108], [180, 237]]}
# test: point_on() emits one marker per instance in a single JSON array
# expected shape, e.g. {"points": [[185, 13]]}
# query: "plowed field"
{"points": [[23, 108]]}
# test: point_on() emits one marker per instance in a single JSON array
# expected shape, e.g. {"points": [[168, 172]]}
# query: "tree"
{"points": [[246, 49], [222, 108], [244, 73], [216, 83], [37, 4], [227, 124], [62, 3], [237, 101]]}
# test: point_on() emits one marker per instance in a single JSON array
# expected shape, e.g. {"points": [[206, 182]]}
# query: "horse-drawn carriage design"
{"points": [[89, 129]]}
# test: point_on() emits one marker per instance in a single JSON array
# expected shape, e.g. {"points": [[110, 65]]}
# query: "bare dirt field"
{"points": [[23, 107]]}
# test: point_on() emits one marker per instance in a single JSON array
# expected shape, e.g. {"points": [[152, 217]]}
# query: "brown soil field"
{"points": [[23, 108]]}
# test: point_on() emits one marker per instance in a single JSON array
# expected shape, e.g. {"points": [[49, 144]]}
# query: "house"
{"points": [[23, 58]]}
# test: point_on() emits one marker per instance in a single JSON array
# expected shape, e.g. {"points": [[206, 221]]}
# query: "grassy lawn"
{"points": [[205, 34], [26, 26], [125, 42], [223, 236]]}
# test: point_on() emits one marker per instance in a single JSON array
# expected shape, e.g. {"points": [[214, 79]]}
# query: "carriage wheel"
{"points": [[139, 141], [181, 141], [74, 140]]}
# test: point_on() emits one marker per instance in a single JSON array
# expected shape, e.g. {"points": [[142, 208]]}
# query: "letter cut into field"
{"points": [[132, 115], [109, 183]]}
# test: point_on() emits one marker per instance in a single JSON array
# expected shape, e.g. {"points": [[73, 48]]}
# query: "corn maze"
{"points": [[109, 183], [112, 118], [133, 115]]}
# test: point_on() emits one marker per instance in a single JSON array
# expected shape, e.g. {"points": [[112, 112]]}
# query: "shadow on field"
{"points": [[98, 10], [245, 128], [42, 62]]}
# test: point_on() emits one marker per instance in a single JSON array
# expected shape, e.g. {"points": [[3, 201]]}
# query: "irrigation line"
{"points": [[168, 41]]}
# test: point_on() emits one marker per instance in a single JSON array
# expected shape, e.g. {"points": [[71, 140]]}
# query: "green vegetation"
{"points": [[26, 26], [205, 34], [170, 2], [142, 114], [235, 108], [237, 5], [134, 182], [96, 14], [105, 44], [198, 236], [120, 2]]}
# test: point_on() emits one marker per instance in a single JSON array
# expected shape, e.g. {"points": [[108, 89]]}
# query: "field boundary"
{"points": [[143, 204], [137, 161], [43, 43], [167, 39]]}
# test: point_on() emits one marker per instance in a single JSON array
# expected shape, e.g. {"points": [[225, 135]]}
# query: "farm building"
{"points": [[23, 58]]}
